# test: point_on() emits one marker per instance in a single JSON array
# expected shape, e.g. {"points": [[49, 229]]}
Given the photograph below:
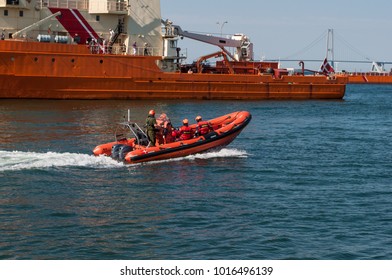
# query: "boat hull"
{"points": [[370, 78], [122, 88], [183, 150], [55, 71]]}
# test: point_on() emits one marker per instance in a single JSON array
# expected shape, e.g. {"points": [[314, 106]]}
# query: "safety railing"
{"points": [[121, 49], [66, 4], [145, 51], [116, 6]]}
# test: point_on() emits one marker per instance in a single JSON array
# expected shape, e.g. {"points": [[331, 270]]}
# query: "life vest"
{"points": [[186, 132], [203, 127]]}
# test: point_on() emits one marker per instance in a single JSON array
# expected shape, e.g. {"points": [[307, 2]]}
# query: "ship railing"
{"points": [[67, 4], [145, 51], [117, 6], [116, 49], [12, 2], [122, 50], [370, 73]]}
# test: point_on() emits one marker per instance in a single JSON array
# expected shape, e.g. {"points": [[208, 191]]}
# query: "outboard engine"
{"points": [[116, 151], [124, 150]]}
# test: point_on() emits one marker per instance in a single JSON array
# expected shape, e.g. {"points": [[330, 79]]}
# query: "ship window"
{"points": [[21, 13], [97, 18], [5, 12]]}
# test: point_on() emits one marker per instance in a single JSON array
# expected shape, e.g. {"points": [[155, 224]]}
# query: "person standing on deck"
{"points": [[111, 36], [151, 124], [134, 48], [146, 51]]}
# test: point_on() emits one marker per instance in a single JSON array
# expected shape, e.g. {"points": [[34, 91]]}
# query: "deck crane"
{"points": [[242, 44], [38, 23]]}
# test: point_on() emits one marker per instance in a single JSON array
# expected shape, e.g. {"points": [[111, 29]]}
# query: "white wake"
{"points": [[224, 153], [17, 160]]}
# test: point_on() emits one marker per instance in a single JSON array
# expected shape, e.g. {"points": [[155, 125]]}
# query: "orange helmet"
{"points": [[152, 113], [185, 121], [198, 118]]}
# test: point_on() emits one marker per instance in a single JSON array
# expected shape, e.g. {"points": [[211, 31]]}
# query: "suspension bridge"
{"points": [[347, 53]]}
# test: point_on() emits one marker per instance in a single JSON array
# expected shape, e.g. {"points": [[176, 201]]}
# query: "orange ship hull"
{"points": [[56, 71], [369, 78]]}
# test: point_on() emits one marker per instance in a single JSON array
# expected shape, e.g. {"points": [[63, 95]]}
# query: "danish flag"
{"points": [[326, 68]]}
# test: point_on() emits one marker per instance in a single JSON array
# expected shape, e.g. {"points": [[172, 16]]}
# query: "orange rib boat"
{"points": [[109, 49], [131, 144]]}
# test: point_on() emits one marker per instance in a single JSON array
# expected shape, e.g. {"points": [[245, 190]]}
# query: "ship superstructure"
{"points": [[118, 22]]}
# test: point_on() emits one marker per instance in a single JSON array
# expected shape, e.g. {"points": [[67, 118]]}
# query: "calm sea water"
{"points": [[305, 180]]}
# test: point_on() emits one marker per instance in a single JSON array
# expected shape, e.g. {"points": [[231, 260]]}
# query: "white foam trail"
{"points": [[17, 160], [224, 153]]}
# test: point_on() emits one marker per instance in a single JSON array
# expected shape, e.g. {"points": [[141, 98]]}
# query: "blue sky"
{"points": [[288, 29]]}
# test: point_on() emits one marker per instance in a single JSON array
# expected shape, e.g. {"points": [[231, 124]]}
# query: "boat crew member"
{"points": [[164, 136], [203, 127], [168, 131], [134, 48], [104, 44], [151, 124], [76, 39], [111, 36], [185, 130], [146, 52]]}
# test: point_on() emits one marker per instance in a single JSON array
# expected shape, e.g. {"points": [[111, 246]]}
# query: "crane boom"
{"points": [[38, 23], [213, 40], [244, 48]]}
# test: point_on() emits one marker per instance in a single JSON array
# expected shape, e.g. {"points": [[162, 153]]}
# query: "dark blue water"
{"points": [[305, 180]]}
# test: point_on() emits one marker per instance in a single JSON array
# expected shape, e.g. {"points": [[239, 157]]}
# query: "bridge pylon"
{"points": [[330, 48]]}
